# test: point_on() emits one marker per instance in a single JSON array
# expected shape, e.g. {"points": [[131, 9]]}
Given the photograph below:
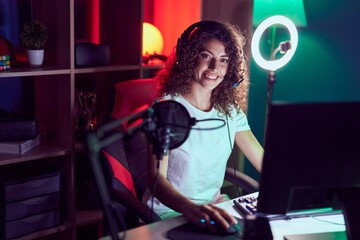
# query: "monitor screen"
{"points": [[311, 150]]}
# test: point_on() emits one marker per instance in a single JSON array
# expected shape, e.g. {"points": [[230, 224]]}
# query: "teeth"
{"points": [[211, 76]]}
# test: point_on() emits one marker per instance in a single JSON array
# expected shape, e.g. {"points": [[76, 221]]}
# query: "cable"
{"points": [[325, 221], [233, 155], [210, 128], [204, 120], [154, 189]]}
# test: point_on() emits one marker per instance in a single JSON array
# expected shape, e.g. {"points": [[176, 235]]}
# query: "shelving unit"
{"points": [[117, 23]]}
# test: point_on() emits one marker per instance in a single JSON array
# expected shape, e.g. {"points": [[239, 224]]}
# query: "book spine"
{"points": [[29, 144], [22, 146]]}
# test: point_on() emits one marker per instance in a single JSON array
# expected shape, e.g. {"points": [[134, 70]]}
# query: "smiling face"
{"points": [[212, 64]]}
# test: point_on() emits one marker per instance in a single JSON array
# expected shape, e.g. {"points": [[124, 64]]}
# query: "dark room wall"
{"points": [[325, 66], [14, 94]]}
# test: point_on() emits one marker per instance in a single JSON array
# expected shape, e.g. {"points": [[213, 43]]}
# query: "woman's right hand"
{"points": [[208, 216]]}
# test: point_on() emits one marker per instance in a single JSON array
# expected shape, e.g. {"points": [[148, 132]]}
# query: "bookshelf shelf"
{"points": [[44, 150], [28, 72]]}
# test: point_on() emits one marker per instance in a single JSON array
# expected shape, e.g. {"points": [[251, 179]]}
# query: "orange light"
{"points": [[153, 41]]}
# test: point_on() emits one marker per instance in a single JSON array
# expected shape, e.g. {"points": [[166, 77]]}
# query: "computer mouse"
{"points": [[229, 231], [232, 229]]}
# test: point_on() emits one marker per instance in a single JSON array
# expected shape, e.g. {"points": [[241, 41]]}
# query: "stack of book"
{"points": [[4, 62], [21, 147]]}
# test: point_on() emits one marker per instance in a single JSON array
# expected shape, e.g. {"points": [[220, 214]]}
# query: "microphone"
{"points": [[169, 126], [166, 124]]}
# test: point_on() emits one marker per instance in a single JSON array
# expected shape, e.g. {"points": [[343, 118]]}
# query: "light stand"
{"points": [[286, 48], [258, 226], [282, 48], [271, 83]]}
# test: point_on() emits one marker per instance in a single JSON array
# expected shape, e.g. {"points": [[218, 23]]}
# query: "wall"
{"points": [[14, 94], [171, 18], [324, 67]]}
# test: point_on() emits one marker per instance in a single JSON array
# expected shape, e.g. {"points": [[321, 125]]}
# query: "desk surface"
{"points": [[279, 228]]}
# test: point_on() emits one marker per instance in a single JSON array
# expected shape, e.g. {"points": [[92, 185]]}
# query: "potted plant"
{"points": [[33, 37]]}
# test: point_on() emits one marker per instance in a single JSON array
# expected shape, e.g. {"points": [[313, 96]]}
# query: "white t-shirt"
{"points": [[197, 168]]}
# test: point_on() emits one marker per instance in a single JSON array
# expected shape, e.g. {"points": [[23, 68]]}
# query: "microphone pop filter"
{"points": [[174, 116]]}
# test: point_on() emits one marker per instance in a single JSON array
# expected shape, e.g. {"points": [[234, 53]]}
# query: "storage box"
{"points": [[32, 224], [32, 187], [32, 206]]}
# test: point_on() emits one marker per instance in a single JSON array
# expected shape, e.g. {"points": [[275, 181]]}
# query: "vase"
{"points": [[35, 57]]}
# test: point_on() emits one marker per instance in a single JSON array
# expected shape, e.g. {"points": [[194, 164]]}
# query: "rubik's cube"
{"points": [[4, 62]]}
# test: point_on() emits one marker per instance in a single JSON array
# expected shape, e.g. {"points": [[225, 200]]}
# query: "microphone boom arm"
{"points": [[95, 142]]}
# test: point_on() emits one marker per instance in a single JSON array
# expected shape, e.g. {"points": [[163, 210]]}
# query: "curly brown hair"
{"points": [[176, 78]]}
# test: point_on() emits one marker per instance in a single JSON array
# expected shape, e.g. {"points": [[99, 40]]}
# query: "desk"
{"points": [[279, 228]]}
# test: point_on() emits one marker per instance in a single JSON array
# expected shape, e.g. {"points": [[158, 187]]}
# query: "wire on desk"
{"points": [[326, 221]]}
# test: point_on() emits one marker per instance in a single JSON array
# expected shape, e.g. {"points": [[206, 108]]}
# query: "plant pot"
{"points": [[35, 57]]}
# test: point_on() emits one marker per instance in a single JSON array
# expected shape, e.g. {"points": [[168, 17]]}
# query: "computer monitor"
{"points": [[312, 150]]}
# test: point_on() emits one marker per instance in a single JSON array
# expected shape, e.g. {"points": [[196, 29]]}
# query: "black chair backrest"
{"points": [[125, 160]]}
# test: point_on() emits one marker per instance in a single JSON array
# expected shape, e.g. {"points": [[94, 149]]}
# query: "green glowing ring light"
{"points": [[255, 49]]}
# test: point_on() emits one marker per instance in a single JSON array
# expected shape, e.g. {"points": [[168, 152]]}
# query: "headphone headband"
{"points": [[184, 39]]}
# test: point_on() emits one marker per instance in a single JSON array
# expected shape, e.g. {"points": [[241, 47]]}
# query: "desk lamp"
{"points": [[152, 43]]}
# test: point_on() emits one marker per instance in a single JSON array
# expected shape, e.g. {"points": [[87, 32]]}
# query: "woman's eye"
{"points": [[224, 60], [205, 56]]}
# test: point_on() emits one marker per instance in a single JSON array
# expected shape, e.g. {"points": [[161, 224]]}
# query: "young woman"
{"points": [[204, 75]]}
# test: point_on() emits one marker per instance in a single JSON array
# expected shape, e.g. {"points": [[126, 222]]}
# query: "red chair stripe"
{"points": [[121, 173]]}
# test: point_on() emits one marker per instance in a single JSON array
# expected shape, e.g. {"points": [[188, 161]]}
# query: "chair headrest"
{"points": [[131, 95]]}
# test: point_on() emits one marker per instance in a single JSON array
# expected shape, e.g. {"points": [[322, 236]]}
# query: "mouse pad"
{"points": [[191, 231]]}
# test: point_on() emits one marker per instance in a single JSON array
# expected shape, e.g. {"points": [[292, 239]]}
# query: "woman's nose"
{"points": [[212, 64]]}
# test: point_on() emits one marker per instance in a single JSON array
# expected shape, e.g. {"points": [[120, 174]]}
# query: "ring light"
{"points": [[255, 48]]}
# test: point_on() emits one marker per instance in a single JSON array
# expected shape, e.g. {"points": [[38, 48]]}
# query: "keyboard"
{"points": [[246, 205]]}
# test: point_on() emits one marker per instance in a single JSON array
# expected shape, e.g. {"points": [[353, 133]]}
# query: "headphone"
{"points": [[185, 37]]}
